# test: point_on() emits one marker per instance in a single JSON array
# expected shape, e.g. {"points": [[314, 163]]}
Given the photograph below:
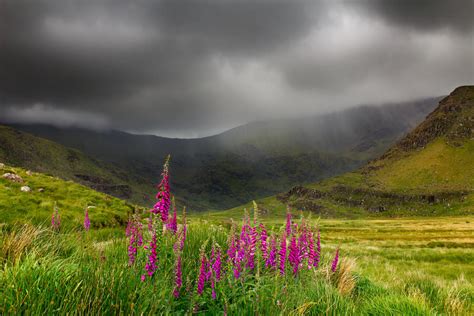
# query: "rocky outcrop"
{"points": [[13, 177]]}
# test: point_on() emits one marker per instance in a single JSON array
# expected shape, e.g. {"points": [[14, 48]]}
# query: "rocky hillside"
{"points": [[430, 171]]}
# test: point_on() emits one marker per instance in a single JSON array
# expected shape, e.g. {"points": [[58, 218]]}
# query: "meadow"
{"points": [[285, 262], [396, 266]]}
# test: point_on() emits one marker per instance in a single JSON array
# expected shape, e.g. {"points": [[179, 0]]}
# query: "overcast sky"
{"points": [[195, 68]]}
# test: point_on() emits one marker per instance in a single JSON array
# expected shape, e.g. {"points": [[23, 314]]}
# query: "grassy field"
{"points": [[416, 266], [46, 191]]}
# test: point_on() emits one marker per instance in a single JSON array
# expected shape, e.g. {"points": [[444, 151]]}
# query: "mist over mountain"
{"points": [[253, 160]]}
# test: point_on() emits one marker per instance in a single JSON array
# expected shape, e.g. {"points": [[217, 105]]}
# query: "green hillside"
{"points": [[38, 154], [71, 199], [428, 172]]}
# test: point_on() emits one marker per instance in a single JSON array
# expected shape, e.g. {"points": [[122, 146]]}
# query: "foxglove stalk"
{"points": [[55, 219], [294, 255], [239, 257], [271, 259], [178, 277], [213, 287], [303, 244], [134, 232], [232, 248], [163, 196], [252, 237], [282, 254], [335, 261], [217, 264], [87, 221], [288, 223], [311, 251], [318, 251], [150, 266], [263, 241], [172, 225], [202, 274]]}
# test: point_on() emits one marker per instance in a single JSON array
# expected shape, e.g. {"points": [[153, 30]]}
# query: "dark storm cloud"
{"points": [[425, 15], [190, 68]]}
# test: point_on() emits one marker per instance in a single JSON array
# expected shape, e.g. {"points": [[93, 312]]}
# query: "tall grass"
{"points": [[80, 272]]}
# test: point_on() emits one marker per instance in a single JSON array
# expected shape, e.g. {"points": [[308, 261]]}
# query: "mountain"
{"points": [[18, 148], [429, 171], [251, 161], [36, 205]]}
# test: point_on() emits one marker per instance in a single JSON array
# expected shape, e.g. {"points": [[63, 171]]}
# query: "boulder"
{"points": [[13, 177], [29, 173], [2, 165], [25, 188]]}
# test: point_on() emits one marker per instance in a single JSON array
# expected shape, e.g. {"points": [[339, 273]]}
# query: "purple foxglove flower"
{"points": [[151, 265], [294, 255], [282, 254], [335, 261], [217, 264], [271, 259], [172, 224], [311, 251], [232, 249], [318, 251], [263, 241], [202, 275], [163, 196], [87, 221], [178, 281], [252, 247], [213, 287], [134, 232]]}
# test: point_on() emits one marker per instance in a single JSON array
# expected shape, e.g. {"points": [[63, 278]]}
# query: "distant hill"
{"points": [[251, 161], [429, 171], [71, 199]]}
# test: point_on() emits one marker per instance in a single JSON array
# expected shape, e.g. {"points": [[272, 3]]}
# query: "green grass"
{"points": [[71, 199], [438, 167], [398, 271]]}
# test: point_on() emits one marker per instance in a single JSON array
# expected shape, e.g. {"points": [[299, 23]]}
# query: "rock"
{"points": [[41, 190], [25, 188], [13, 177], [2, 165], [29, 173]]}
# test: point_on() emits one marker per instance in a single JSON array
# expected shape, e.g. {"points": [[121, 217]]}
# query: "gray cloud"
{"points": [[193, 68]]}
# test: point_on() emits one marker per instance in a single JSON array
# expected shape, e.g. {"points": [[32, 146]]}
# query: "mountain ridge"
{"points": [[427, 172], [256, 160]]}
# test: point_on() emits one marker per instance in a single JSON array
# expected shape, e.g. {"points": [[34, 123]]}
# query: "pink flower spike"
{"points": [[178, 277], [163, 196], [271, 259], [172, 224], [87, 221], [335, 261], [282, 254], [202, 275], [263, 241], [318, 251]]}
